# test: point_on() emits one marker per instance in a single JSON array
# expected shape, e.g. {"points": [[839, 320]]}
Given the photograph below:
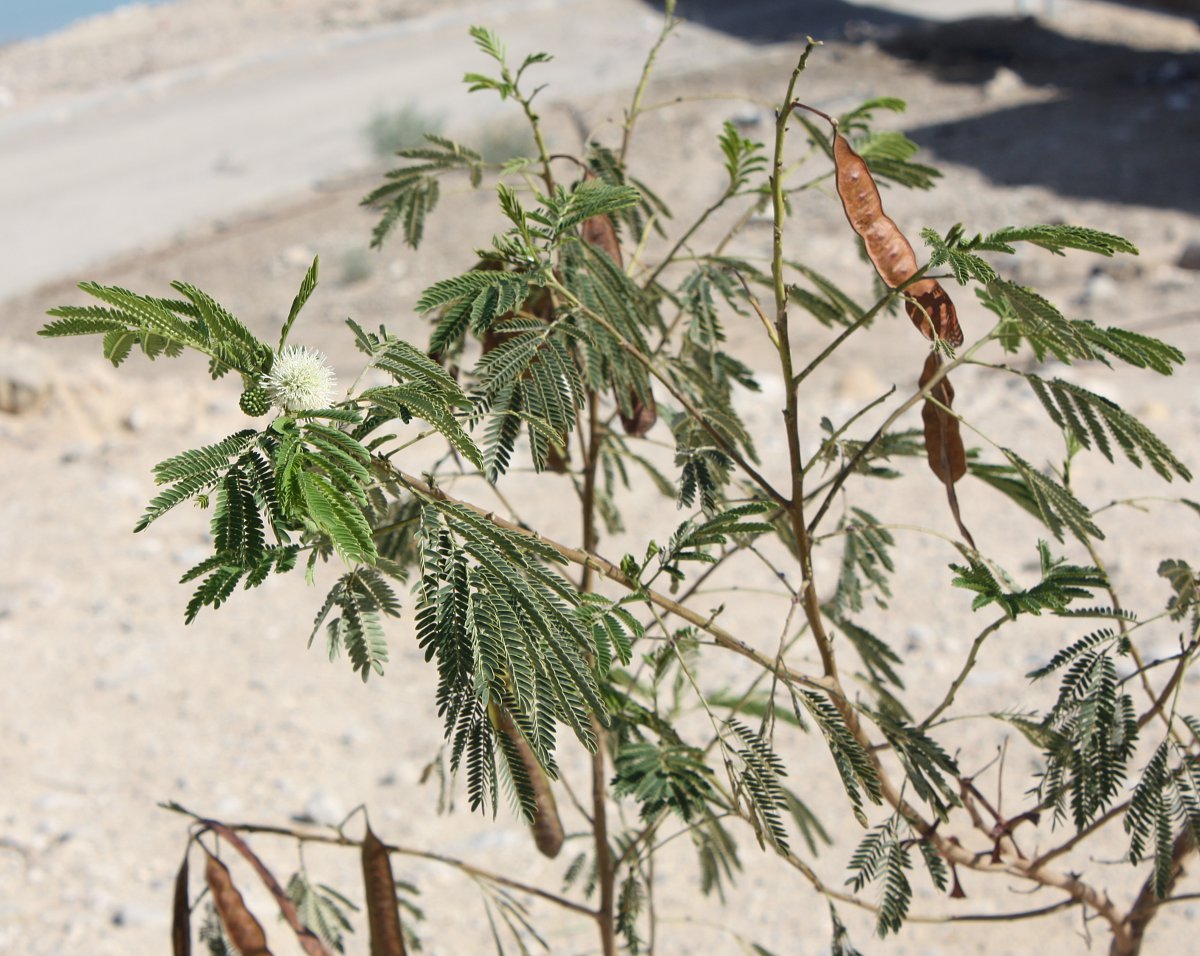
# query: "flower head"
{"points": [[300, 379]]}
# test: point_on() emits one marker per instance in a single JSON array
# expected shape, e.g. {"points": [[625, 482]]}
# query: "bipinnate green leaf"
{"points": [[759, 778], [883, 857], [663, 777], [1055, 238], [1057, 507], [1092, 418], [1186, 584], [327, 506], [853, 763], [866, 561], [163, 327], [307, 286], [1092, 731], [1060, 584], [322, 909], [193, 472], [411, 192]]}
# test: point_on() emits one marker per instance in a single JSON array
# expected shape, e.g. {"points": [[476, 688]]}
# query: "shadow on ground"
{"points": [[775, 21], [1123, 126]]}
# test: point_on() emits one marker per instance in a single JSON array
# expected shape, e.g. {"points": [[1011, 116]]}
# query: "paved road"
{"points": [[132, 167]]}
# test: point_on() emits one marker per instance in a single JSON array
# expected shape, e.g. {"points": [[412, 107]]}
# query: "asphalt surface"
{"points": [[132, 167]]}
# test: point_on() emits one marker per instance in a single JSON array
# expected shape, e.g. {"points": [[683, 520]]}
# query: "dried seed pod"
{"points": [[641, 416], [245, 932], [309, 941], [383, 915], [546, 826], [181, 914], [943, 441], [600, 233], [928, 306]]}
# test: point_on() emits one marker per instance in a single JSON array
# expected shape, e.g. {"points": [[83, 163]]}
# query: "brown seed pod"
{"points": [[546, 826], [181, 914], [600, 233], [943, 441], [309, 941], [387, 936], [245, 932], [928, 306], [641, 416]]}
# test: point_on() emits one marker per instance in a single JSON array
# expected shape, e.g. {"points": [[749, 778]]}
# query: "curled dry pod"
{"points": [[546, 826], [383, 915], [890, 252], [181, 914], [943, 441], [245, 932]]}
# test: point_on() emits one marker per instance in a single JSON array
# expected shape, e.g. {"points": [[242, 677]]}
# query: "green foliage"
{"points": [[743, 158], [1091, 731], [362, 597], [663, 777], [758, 782], [1060, 584], [1058, 509], [883, 857], [926, 764], [163, 327], [561, 342], [866, 562], [854, 765], [829, 305], [502, 627], [1087, 415], [322, 909], [692, 541], [411, 192], [1186, 585]]}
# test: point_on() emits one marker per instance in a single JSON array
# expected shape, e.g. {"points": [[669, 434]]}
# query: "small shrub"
{"points": [[566, 346], [390, 131]]}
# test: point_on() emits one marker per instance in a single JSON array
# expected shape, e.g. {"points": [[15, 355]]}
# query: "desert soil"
{"points": [[1087, 114]]}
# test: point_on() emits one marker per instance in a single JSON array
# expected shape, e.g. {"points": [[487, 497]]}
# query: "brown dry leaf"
{"points": [[383, 916], [181, 916], [943, 441], [309, 941], [245, 932], [887, 248], [546, 825]]}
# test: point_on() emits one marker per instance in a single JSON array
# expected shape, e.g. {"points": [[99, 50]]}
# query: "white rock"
{"points": [[324, 807]]}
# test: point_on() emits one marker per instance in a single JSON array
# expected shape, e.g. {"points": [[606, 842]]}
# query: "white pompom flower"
{"points": [[300, 379]]}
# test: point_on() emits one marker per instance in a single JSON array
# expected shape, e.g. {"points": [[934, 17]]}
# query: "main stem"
{"points": [[606, 869], [795, 507]]}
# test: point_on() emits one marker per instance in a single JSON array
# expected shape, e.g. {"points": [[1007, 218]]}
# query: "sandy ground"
{"points": [[113, 705]]}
